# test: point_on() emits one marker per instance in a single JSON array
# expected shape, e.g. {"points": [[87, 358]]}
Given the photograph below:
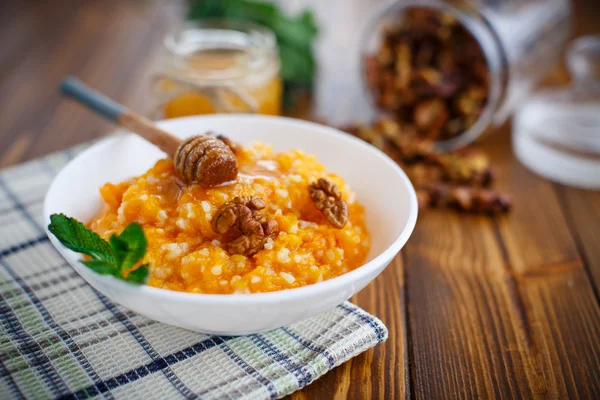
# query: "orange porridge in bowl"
{"points": [[186, 252]]}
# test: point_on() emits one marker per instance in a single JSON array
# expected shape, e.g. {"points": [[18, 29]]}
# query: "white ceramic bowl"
{"points": [[380, 185]]}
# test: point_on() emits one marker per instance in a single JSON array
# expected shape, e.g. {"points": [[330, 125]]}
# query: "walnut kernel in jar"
{"points": [[430, 73]]}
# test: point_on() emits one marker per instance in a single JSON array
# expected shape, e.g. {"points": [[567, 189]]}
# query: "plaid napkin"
{"points": [[59, 338]]}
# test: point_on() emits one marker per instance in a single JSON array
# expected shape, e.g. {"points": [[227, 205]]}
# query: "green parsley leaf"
{"points": [[115, 257]]}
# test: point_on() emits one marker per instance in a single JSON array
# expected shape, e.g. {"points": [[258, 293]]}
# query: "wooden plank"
{"points": [[386, 365], [550, 278], [112, 45], [15, 152], [502, 308], [536, 234], [29, 94], [27, 29], [379, 373], [564, 320], [117, 57], [582, 208], [479, 330], [461, 326]]}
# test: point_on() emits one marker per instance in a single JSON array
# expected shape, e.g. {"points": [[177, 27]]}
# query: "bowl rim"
{"points": [[252, 298]]}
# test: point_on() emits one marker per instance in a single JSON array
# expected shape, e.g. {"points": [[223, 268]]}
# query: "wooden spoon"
{"points": [[199, 159]]}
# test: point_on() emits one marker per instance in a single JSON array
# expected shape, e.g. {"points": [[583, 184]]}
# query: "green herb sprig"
{"points": [[295, 35], [115, 257]]}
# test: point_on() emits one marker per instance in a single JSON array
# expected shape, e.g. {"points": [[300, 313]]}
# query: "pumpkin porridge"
{"points": [[284, 222]]}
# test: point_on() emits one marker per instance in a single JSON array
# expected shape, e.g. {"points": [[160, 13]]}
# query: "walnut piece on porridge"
{"points": [[328, 200], [244, 227]]}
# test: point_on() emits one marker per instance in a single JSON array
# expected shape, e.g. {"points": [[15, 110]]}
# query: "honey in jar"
{"points": [[219, 67]]}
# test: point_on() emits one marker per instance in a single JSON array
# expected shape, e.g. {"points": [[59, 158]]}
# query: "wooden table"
{"points": [[475, 306]]}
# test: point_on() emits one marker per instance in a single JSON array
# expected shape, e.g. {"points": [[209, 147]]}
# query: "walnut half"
{"points": [[328, 200], [243, 227]]}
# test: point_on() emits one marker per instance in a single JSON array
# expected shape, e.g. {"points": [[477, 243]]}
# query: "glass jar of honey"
{"points": [[218, 66]]}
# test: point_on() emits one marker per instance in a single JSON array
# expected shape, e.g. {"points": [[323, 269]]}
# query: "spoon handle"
{"points": [[113, 111]]}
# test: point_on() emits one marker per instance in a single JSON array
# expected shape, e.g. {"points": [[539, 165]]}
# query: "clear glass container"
{"points": [[218, 66], [520, 40], [556, 133]]}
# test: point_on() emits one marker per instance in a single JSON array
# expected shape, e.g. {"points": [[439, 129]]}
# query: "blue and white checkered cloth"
{"points": [[59, 338]]}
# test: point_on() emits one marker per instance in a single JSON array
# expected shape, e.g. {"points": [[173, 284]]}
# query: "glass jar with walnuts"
{"points": [[448, 71]]}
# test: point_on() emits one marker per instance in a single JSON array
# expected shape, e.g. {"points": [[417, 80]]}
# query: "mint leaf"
{"points": [[129, 247], [75, 236], [115, 257], [99, 266], [139, 275]]}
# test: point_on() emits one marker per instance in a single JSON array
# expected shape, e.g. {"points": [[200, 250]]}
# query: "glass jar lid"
{"points": [[556, 133]]}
